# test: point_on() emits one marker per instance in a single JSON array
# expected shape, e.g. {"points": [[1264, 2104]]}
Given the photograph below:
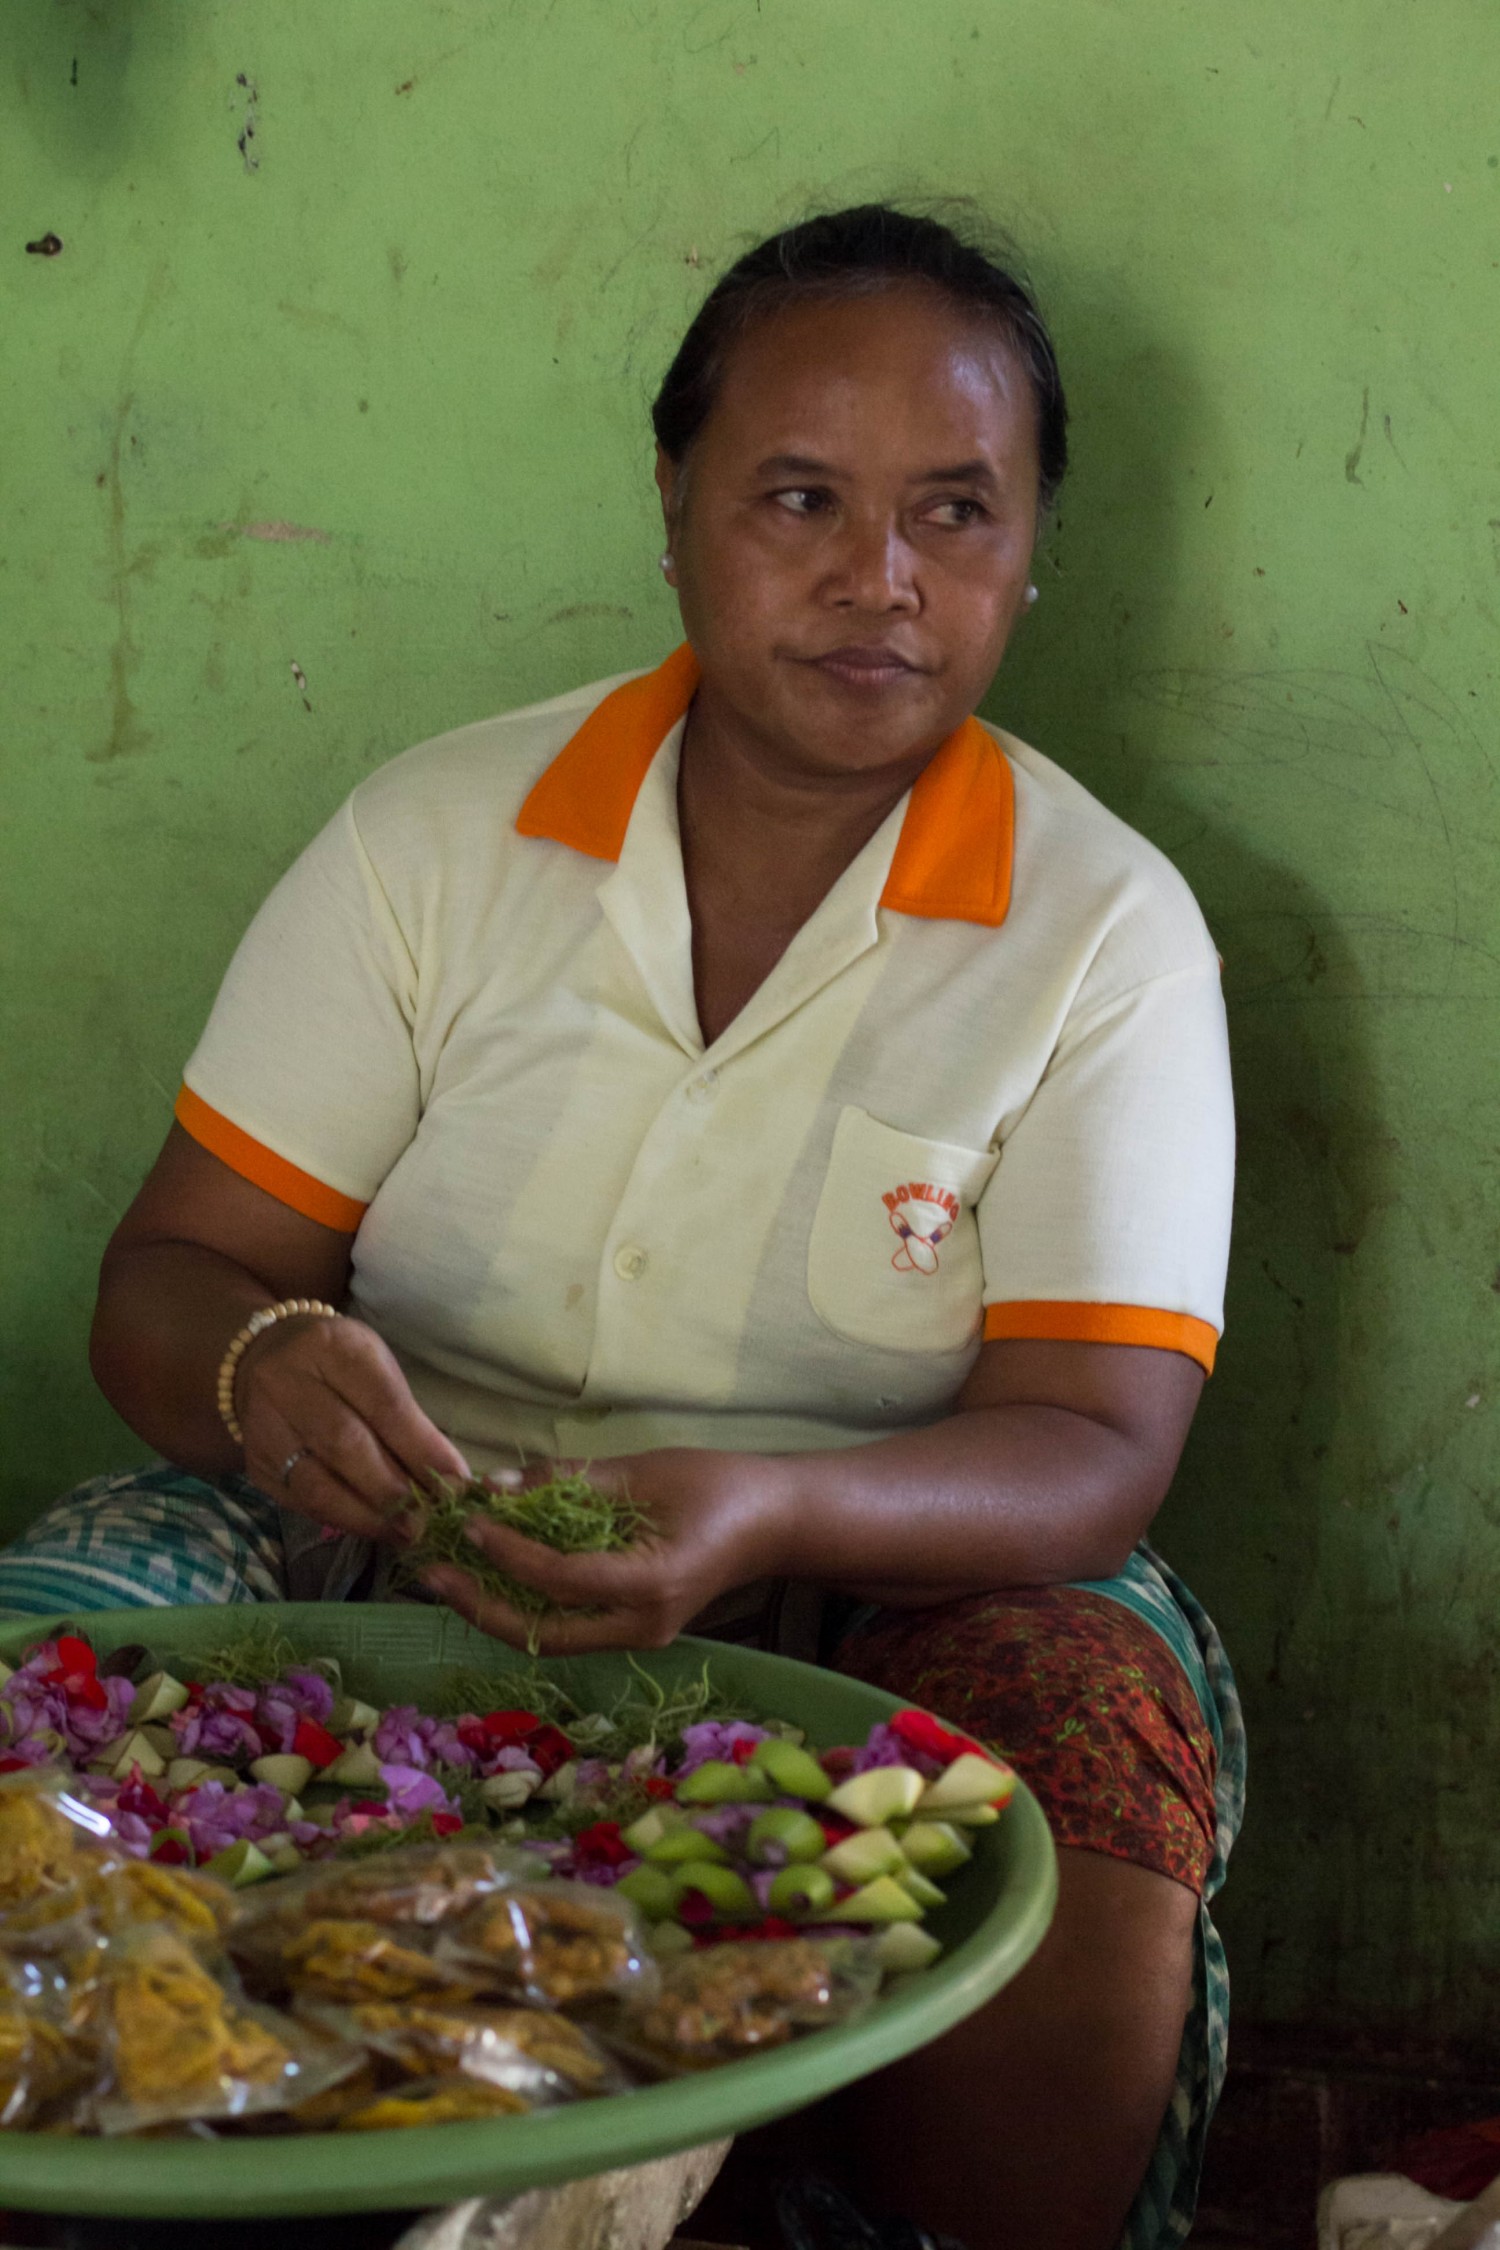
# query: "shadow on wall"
{"points": [[1095, 682]]}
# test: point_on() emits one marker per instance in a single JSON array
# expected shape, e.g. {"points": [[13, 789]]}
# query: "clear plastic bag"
{"points": [[533, 2051], [176, 2039], [555, 1944], [734, 1999], [42, 2061]]}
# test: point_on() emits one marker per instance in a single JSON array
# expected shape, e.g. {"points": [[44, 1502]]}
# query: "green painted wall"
{"points": [[326, 431]]}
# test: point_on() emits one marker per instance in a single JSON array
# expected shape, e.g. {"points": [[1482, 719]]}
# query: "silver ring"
{"points": [[291, 1461]]}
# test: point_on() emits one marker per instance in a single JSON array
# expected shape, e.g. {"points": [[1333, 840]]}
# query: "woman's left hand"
{"points": [[714, 1523]]}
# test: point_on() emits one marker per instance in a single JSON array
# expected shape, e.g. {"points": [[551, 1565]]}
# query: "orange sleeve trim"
{"points": [[1104, 1324], [587, 795], [263, 1168], [955, 853]]}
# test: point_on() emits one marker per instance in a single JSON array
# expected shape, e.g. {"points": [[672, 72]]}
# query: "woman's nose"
{"points": [[876, 568]]}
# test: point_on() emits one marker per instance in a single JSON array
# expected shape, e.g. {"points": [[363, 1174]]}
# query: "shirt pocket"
{"points": [[893, 1258]]}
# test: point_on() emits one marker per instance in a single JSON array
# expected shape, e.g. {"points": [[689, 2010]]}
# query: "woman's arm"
{"points": [[199, 1251], [1051, 1468]]}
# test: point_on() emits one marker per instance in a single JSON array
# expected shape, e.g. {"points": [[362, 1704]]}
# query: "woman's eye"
{"points": [[801, 500], [956, 513]]}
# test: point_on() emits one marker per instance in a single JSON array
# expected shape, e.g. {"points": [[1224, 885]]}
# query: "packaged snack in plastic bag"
{"points": [[180, 2041], [51, 1845], [342, 1959], [533, 2051], [422, 1884], [440, 2101], [555, 1944], [740, 1998]]}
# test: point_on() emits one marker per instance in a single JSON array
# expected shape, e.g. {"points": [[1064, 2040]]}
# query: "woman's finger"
{"points": [[365, 1372], [553, 1635], [285, 1465], [352, 1364]]}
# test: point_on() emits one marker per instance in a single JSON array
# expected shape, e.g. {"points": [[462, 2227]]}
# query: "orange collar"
{"points": [[954, 854]]}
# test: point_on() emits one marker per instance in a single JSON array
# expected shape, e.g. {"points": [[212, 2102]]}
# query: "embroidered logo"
{"points": [[923, 1216]]}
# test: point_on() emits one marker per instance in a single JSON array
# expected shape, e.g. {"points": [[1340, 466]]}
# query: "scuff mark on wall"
{"points": [[1351, 459], [301, 679], [249, 132]]}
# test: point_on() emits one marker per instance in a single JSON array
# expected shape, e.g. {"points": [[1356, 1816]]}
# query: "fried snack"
{"points": [[554, 1944], [530, 2050], [38, 2063], [320, 2113], [198, 1907], [446, 2101], [731, 1999], [354, 1960], [183, 2044]]}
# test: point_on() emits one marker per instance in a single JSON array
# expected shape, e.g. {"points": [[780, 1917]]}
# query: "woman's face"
{"points": [[852, 535]]}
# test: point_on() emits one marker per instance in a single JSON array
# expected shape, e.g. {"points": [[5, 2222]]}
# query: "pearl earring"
{"points": [[666, 564], [1032, 597]]}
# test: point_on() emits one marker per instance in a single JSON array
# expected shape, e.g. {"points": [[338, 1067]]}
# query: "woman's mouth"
{"points": [[871, 667]]}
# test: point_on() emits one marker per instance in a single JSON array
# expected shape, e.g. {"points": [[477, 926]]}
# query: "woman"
{"points": [[762, 1080]]}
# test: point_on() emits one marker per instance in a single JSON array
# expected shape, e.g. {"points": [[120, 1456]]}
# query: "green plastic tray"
{"points": [[994, 1921]]}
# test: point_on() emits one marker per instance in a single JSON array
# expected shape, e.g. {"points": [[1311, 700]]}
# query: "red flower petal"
{"points": [[659, 1786], [603, 1844], [75, 1655], [315, 1742], [510, 1726], [921, 1731], [693, 1910], [741, 1752], [550, 1748], [446, 1823]]}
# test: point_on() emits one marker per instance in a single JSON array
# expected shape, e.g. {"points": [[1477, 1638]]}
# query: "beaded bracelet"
{"points": [[265, 1318]]}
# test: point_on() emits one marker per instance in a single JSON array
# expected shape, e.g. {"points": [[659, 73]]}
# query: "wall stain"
{"points": [[249, 133], [45, 246], [279, 532], [126, 733], [588, 609], [397, 261], [1351, 460]]}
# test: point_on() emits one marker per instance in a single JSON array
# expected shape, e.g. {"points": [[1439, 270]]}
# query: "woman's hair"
{"points": [[856, 253]]}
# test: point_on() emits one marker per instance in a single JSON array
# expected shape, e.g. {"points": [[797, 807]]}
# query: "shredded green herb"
{"points": [[253, 1657], [567, 1513]]}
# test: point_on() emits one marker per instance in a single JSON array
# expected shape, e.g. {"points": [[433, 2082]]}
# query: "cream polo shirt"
{"points": [[985, 1093]]}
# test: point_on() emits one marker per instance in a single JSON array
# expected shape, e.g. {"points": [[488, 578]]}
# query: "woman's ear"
{"points": [[669, 481], [669, 485]]}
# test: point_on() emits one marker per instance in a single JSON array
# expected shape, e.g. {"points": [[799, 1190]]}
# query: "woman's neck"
{"points": [[762, 846]]}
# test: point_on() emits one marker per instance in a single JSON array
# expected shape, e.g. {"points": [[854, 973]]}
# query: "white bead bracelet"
{"points": [[267, 1317]]}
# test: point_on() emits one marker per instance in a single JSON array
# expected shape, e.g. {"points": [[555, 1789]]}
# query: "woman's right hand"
{"points": [[331, 1427]]}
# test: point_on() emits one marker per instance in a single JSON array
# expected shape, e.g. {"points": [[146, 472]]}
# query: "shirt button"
{"points": [[630, 1262], [703, 1088]]}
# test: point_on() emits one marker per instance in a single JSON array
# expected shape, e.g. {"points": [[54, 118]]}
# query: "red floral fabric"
{"points": [[1081, 1696]]}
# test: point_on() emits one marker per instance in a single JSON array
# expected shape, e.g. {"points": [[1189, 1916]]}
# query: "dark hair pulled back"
{"points": [[867, 248]]}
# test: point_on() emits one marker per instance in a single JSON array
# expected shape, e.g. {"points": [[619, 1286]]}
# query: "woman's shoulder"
{"points": [[480, 773], [1070, 846]]}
